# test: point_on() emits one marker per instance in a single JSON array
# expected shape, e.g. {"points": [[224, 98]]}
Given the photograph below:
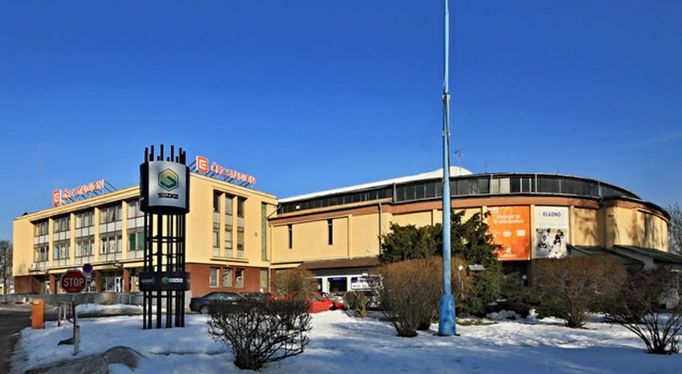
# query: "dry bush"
{"points": [[411, 291], [638, 308], [575, 286], [356, 301], [261, 331], [294, 283]]}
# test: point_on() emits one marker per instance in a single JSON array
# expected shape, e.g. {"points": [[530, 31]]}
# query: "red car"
{"points": [[317, 303], [321, 303]]}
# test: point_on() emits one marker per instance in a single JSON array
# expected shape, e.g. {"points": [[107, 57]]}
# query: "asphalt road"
{"points": [[11, 321]]}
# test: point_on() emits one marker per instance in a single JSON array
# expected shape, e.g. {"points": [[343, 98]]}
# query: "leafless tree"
{"points": [[294, 283], [5, 263], [639, 309], [410, 293], [675, 232], [574, 287]]}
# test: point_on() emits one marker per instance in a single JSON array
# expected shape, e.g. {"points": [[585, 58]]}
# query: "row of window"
{"points": [[108, 214], [229, 221], [109, 243], [229, 277], [469, 185]]}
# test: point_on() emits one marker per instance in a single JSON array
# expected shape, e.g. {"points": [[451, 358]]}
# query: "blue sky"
{"points": [[311, 95]]}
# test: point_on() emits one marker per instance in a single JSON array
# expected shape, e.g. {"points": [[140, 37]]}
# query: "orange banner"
{"points": [[510, 227]]}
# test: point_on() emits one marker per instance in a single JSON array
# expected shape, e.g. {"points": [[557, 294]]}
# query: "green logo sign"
{"points": [[168, 180]]}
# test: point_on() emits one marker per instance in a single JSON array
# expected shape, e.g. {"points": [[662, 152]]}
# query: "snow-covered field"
{"points": [[341, 343]]}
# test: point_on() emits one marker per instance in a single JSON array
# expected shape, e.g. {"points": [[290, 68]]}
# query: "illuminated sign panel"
{"points": [[510, 227], [551, 231], [214, 169], [56, 197], [70, 194], [202, 164], [164, 187]]}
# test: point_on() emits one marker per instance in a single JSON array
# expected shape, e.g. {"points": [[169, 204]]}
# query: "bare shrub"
{"points": [[261, 331], [294, 283], [411, 290], [356, 301], [637, 307], [573, 287]]}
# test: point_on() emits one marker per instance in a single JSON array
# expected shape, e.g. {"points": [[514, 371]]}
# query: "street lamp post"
{"points": [[446, 319]]}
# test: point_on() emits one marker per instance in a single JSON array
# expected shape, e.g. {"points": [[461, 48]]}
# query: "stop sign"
{"points": [[73, 281]]}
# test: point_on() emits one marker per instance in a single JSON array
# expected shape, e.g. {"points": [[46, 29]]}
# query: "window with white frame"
{"points": [[239, 278], [227, 277], [213, 278], [85, 219], [61, 224]]}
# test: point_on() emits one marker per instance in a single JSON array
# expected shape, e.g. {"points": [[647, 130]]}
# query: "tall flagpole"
{"points": [[446, 319]]}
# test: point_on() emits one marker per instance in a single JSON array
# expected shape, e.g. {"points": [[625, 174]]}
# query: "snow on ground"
{"points": [[340, 343], [108, 309]]}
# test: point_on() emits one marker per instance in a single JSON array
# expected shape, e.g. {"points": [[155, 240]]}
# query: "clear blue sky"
{"points": [[310, 95]]}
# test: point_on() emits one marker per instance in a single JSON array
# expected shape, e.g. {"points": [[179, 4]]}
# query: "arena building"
{"points": [[337, 233], [238, 238]]}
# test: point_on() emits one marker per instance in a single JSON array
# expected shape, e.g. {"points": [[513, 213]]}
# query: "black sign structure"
{"points": [[164, 199]]}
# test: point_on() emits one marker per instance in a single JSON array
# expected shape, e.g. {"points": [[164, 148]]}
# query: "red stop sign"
{"points": [[73, 281]]}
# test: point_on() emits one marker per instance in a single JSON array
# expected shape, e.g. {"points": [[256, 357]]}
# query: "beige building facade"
{"points": [[238, 238], [227, 240]]}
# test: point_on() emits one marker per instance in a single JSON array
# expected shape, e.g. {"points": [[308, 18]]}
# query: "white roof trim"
{"points": [[438, 173]]}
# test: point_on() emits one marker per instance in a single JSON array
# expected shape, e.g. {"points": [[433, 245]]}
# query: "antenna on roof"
{"points": [[458, 152]]}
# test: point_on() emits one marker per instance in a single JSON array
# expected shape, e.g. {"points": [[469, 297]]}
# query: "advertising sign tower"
{"points": [[164, 199]]}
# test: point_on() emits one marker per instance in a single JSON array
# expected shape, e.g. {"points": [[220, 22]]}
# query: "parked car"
{"points": [[200, 304], [257, 295], [337, 300]]}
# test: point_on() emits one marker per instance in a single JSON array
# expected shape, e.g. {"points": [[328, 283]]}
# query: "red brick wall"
{"points": [[199, 279], [27, 284], [53, 284]]}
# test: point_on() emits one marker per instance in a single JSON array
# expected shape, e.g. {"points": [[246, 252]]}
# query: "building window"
{"points": [[216, 201], [290, 229], [41, 228], [227, 277], [239, 278], [110, 214], [136, 240], [263, 231], [330, 232], [84, 246], [263, 279], [216, 239], [240, 242], [61, 224], [110, 247], [228, 225], [40, 253], [240, 227], [61, 250], [134, 209], [84, 219], [240, 207], [213, 278]]}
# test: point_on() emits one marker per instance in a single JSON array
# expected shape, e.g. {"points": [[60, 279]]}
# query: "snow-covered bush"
{"points": [[410, 294], [294, 283], [573, 287], [261, 331], [638, 308]]}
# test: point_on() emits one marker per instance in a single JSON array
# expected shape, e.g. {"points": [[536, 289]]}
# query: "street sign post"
{"points": [[73, 282]]}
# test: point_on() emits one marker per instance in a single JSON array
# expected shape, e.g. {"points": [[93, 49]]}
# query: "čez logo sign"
{"points": [[168, 180]]}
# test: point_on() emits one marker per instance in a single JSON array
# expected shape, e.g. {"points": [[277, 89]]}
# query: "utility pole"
{"points": [[446, 319]]}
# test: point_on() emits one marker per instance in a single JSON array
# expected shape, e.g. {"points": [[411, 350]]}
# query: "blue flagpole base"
{"points": [[446, 319]]}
